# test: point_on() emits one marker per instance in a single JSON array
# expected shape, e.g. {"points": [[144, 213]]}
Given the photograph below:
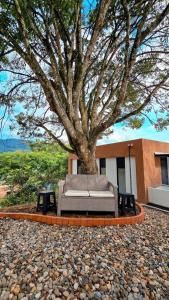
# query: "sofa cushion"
{"points": [[103, 194], [76, 193]]}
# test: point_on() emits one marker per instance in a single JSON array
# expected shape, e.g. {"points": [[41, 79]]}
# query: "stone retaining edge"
{"points": [[66, 221]]}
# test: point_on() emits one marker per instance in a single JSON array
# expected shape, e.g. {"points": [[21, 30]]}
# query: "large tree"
{"points": [[80, 67]]}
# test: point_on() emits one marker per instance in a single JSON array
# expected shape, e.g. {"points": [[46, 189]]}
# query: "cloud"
{"points": [[146, 132]]}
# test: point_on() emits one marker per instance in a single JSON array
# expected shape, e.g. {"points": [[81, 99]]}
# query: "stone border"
{"points": [[66, 221]]}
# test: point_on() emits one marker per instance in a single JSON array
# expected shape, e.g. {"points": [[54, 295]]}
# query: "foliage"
{"points": [[46, 147], [80, 67], [27, 172]]}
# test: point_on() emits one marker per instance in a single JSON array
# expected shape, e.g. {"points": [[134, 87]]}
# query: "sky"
{"points": [[120, 133], [147, 131]]}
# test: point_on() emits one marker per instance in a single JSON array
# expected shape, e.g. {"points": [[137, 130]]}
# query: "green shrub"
{"points": [[28, 172]]}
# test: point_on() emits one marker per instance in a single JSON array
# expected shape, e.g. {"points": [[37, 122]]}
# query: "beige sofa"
{"points": [[87, 193]]}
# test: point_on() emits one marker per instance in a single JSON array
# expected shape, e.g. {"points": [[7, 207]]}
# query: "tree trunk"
{"points": [[87, 157], [89, 166]]}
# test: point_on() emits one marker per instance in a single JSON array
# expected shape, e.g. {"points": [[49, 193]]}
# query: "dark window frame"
{"points": [[102, 165], [78, 166], [164, 172], [120, 164]]}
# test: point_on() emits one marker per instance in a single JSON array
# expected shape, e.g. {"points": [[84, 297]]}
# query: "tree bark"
{"points": [[87, 157]]}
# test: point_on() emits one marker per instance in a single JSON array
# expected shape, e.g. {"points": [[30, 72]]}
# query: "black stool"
{"points": [[46, 204], [126, 203]]}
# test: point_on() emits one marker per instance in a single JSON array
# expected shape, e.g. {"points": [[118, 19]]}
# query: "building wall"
{"points": [[110, 152], [146, 169], [74, 166], [152, 167], [159, 195], [111, 170], [130, 188]]}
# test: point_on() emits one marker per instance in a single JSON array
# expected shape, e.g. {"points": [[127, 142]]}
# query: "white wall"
{"points": [[159, 195], [121, 180], [74, 166], [111, 170], [133, 176]]}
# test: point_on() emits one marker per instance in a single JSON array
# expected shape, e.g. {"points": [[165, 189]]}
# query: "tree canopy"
{"points": [[79, 67]]}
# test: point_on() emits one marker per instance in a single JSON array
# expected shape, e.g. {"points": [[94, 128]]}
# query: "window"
{"points": [[164, 170], [120, 162], [102, 166], [78, 167], [121, 176]]}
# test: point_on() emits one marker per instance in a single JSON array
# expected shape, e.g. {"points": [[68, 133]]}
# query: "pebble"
{"points": [[166, 283], [65, 273], [87, 269], [39, 262], [135, 289], [37, 296], [76, 285], [15, 289], [130, 297], [82, 296], [97, 285], [5, 295], [45, 274], [66, 294], [97, 295]]}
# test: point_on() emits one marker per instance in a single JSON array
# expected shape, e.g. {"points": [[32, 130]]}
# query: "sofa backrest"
{"points": [[76, 182], [86, 182], [97, 182]]}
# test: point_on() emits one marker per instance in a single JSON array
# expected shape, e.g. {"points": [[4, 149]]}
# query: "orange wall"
{"points": [[148, 169], [115, 149], [152, 168]]}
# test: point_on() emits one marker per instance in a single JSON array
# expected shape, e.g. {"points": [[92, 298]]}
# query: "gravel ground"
{"points": [[51, 262]]}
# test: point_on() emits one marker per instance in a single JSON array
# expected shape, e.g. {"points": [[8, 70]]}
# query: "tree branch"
{"points": [[56, 138], [144, 104]]}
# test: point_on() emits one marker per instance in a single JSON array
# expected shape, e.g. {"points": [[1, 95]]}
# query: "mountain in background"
{"points": [[10, 145]]}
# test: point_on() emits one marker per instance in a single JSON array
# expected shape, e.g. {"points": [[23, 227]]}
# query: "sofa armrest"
{"points": [[114, 190], [61, 184], [111, 187]]}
